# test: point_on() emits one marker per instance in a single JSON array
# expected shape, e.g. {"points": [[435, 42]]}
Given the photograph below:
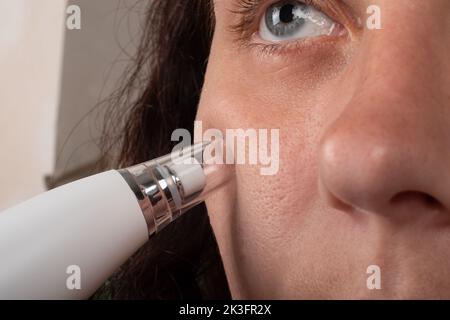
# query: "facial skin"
{"points": [[364, 174]]}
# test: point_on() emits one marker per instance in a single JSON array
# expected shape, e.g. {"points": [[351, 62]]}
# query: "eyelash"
{"points": [[249, 14]]}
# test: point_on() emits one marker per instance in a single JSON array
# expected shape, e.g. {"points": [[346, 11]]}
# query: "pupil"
{"points": [[286, 13]]}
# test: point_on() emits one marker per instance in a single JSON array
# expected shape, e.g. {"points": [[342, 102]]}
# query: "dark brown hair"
{"points": [[159, 94]]}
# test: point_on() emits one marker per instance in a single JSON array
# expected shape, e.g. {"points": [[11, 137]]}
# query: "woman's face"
{"points": [[364, 125]]}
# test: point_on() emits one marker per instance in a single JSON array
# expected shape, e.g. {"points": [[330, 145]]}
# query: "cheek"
{"points": [[299, 118], [262, 213]]}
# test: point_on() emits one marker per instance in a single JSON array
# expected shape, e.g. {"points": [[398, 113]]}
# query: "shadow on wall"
{"points": [[95, 57]]}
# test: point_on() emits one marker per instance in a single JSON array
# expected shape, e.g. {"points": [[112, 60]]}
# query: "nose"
{"points": [[387, 151], [385, 162]]}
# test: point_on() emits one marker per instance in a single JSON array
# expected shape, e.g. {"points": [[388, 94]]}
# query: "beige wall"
{"points": [[31, 38], [51, 78]]}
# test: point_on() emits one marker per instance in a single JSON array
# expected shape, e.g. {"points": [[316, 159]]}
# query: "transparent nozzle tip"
{"points": [[172, 184]]}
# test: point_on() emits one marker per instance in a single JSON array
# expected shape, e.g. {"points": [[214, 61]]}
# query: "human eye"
{"points": [[291, 20], [284, 24]]}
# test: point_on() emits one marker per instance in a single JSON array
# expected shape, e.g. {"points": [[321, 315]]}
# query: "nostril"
{"points": [[422, 197]]}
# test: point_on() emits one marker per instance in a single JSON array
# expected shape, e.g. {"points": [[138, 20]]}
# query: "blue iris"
{"points": [[285, 18]]}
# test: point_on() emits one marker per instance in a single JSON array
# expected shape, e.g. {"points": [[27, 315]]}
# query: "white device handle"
{"points": [[82, 232]]}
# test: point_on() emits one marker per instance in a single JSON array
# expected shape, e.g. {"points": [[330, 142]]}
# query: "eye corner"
{"points": [[341, 11]]}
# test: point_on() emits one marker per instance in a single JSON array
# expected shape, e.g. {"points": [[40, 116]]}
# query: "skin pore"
{"points": [[364, 178]]}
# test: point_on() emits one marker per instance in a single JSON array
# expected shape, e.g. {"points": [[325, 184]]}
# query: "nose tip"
{"points": [[360, 171]]}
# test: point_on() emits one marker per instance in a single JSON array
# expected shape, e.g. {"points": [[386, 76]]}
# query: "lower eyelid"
{"points": [[297, 47]]}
